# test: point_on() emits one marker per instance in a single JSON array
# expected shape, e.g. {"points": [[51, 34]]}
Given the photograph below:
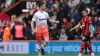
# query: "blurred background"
{"points": [[68, 12]]}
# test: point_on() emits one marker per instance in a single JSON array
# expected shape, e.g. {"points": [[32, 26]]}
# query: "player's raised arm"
{"points": [[78, 25]]}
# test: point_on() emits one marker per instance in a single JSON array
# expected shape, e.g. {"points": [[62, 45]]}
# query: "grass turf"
{"points": [[37, 55]]}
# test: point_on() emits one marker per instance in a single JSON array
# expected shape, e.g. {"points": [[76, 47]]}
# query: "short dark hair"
{"points": [[41, 3], [85, 10]]}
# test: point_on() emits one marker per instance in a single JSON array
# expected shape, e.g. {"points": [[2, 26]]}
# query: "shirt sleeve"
{"points": [[34, 17], [89, 20], [80, 21], [47, 15]]}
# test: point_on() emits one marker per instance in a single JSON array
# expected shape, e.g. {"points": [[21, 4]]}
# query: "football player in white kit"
{"points": [[40, 18]]}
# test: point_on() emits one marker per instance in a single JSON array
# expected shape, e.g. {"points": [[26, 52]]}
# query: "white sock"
{"points": [[80, 54], [92, 54], [43, 46], [39, 53], [38, 46]]}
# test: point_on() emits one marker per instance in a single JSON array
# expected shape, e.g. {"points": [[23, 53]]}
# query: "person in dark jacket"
{"points": [[18, 31]]}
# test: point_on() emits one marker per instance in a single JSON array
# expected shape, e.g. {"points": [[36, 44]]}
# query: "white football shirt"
{"points": [[40, 18]]}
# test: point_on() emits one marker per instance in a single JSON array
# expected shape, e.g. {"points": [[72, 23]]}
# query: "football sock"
{"points": [[82, 48], [90, 48], [45, 44]]}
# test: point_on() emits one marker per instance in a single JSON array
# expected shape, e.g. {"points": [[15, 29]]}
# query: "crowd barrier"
{"points": [[54, 47]]}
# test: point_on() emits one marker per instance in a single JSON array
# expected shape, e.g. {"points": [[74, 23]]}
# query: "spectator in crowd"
{"points": [[61, 11], [76, 2], [26, 22], [1, 33], [77, 16], [72, 22], [26, 19], [98, 7], [93, 12], [50, 4], [28, 32], [96, 23], [7, 33], [63, 35], [56, 4], [86, 1], [4, 4], [18, 31], [51, 12], [54, 31], [55, 18], [71, 4], [71, 34], [65, 24], [13, 20], [98, 34], [60, 14], [91, 4], [7, 3], [53, 26], [66, 8], [80, 6]]}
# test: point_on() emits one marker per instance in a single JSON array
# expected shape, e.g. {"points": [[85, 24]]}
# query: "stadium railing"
{"points": [[10, 8], [52, 41]]}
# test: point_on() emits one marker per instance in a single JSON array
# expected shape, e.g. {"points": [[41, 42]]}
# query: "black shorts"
{"points": [[87, 38]]}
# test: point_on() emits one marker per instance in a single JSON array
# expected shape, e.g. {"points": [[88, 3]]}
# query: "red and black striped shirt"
{"points": [[85, 22]]}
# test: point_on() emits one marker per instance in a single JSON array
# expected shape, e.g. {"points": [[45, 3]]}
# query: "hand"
{"points": [[33, 31], [71, 30], [57, 21], [91, 35], [52, 27]]}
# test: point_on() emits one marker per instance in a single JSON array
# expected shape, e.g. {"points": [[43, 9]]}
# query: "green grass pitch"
{"points": [[37, 55]]}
